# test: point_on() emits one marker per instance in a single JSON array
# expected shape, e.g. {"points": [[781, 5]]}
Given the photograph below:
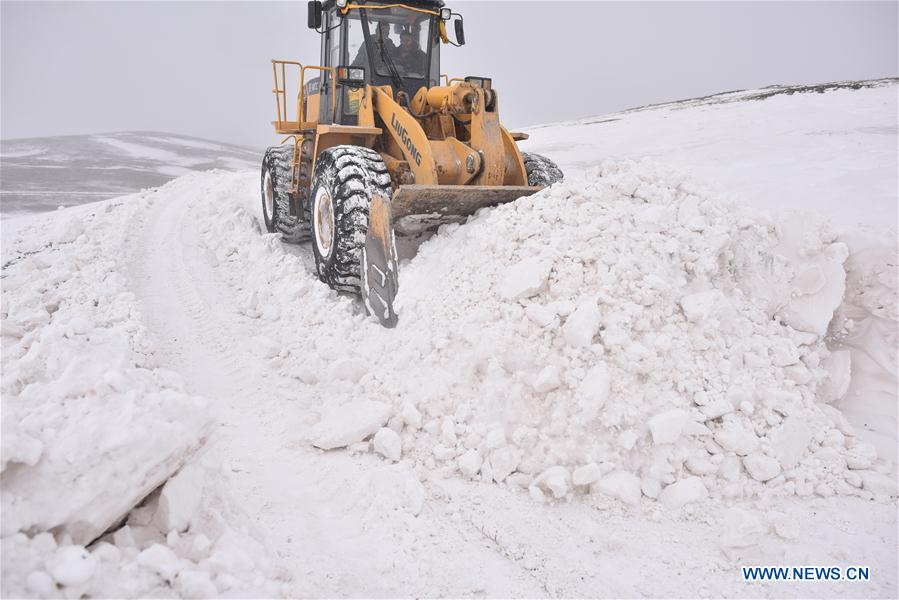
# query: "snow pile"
{"points": [[90, 429], [82, 418], [628, 334]]}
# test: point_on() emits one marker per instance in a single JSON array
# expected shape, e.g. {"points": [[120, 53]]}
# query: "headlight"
{"points": [[445, 14], [351, 76], [341, 3]]}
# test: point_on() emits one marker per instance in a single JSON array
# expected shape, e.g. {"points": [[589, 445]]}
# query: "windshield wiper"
{"points": [[385, 56]]}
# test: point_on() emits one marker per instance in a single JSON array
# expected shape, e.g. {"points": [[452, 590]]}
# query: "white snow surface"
{"points": [[148, 152], [633, 368], [806, 151]]}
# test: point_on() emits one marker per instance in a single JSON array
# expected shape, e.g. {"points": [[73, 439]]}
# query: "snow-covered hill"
{"points": [[829, 148], [41, 174], [682, 386]]}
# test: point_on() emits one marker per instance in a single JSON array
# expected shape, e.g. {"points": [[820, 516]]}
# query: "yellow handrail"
{"points": [[448, 81], [281, 92]]}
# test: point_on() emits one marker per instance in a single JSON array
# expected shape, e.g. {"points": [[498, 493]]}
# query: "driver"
{"points": [[381, 33], [409, 56]]}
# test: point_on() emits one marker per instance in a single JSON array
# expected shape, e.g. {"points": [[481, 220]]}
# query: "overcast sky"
{"points": [[202, 68]]}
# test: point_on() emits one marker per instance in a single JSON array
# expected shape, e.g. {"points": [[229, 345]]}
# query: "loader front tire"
{"points": [[346, 179], [276, 165], [541, 170]]}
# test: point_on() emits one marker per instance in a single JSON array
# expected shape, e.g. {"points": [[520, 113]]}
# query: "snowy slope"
{"points": [[625, 386], [40, 174], [829, 148]]}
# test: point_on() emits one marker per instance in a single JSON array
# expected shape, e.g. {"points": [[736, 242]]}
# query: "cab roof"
{"points": [[432, 4]]}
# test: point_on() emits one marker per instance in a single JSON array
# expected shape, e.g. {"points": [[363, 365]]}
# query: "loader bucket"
{"points": [[419, 207]]}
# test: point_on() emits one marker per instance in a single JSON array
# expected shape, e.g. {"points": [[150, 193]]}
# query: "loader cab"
{"points": [[394, 44]]}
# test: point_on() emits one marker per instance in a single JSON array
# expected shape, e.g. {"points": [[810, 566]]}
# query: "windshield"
{"points": [[395, 35]]}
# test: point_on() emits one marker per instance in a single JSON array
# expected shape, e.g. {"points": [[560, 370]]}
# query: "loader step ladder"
{"points": [[301, 172]]}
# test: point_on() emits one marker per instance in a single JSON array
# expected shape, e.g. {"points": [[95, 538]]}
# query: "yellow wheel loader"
{"points": [[379, 143]]}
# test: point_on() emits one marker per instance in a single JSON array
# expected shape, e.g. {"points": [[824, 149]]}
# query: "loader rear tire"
{"points": [[346, 179], [541, 170], [276, 166]]}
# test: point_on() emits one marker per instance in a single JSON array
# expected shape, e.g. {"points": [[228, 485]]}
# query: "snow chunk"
{"points": [[683, 492], [555, 479], [700, 464], [388, 444], [495, 438], [411, 416], [72, 565], [442, 452], [180, 499], [161, 560], [666, 427], [594, 389], [229, 555], [790, 441], [861, 456], [878, 483], [448, 431], [547, 380], [350, 423], [470, 463], [195, 584], [627, 439], [761, 467], [717, 408], [651, 487], [736, 438], [20, 448], [504, 461], [839, 369], [819, 288], [839, 420], [67, 229], [582, 324], [623, 485], [543, 316], [586, 474], [525, 279]]}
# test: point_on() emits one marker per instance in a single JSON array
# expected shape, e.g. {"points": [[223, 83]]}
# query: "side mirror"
{"points": [[314, 12], [460, 32]]}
